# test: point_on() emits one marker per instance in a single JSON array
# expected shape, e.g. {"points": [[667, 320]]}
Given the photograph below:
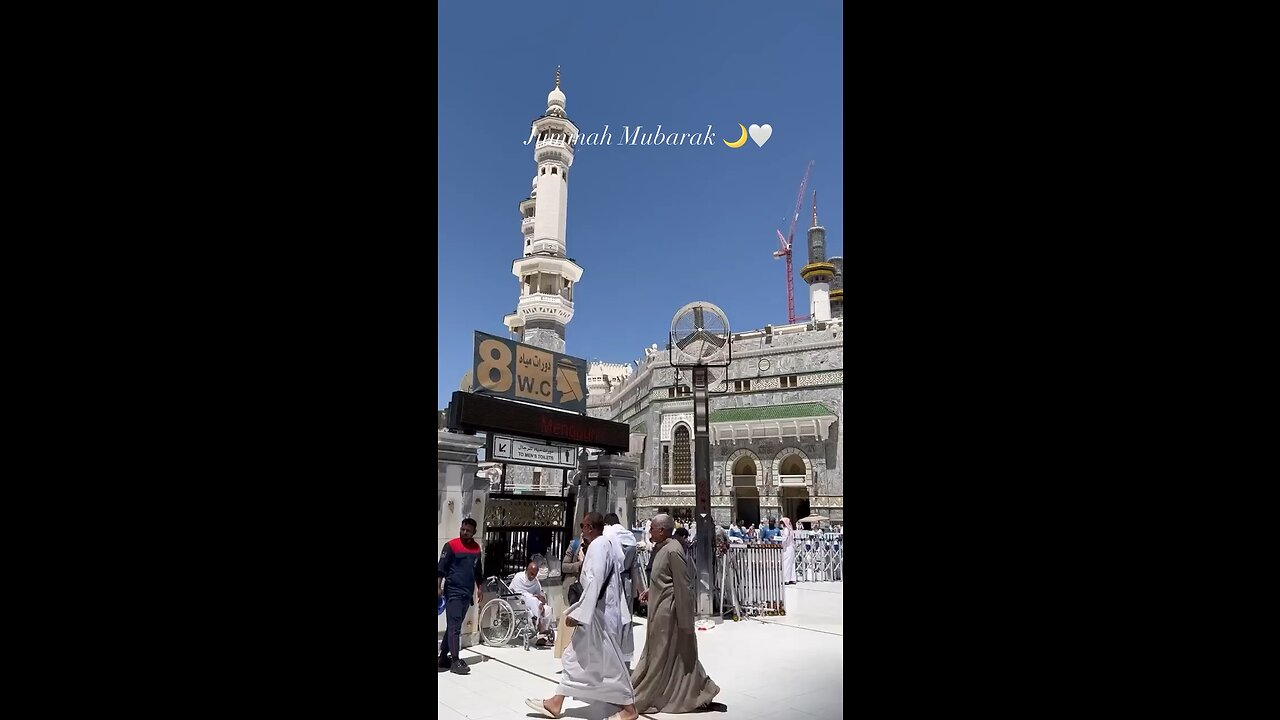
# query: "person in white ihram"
{"points": [[593, 664], [530, 589], [788, 553], [620, 606]]}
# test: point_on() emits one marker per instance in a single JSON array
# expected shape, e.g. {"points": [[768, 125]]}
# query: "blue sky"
{"points": [[653, 227]]}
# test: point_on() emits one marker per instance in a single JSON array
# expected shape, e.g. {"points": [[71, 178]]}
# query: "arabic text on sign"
{"points": [[533, 375], [539, 453]]}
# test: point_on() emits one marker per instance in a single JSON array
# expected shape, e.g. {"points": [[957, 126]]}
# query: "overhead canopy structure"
{"points": [[799, 420]]}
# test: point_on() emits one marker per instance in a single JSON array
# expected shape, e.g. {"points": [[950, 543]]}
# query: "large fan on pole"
{"points": [[699, 336], [699, 339]]}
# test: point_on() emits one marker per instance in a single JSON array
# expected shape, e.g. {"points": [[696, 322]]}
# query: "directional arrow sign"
{"points": [[518, 451], [501, 448]]}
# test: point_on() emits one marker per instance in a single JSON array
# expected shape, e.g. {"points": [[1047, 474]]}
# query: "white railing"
{"points": [[550, 298], [550, 143], [819, 557], [750, 580]]}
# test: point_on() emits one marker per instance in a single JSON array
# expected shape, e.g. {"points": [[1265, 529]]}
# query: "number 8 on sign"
{"points": [[493, 373]]}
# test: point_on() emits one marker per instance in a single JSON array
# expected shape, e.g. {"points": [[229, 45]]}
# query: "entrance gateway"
{"points": [[531, 406], [515, 525]]}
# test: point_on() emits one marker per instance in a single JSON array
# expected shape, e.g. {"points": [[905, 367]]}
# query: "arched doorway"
{"points": [[746, 490], [746, 506], [795, 504], [793, 472]]}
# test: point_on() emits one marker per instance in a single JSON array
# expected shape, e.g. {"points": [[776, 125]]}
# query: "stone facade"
{"points": [[545, 339], [788, 465]]}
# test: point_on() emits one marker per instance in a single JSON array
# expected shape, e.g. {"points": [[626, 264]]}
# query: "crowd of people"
{"points": [[595, 643], [766, 532], [600, 580]]}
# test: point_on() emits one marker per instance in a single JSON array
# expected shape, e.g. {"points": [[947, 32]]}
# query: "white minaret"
{"points": [[546, 274]]}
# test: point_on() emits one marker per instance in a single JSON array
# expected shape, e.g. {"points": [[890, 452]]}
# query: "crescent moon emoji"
{"points": [[741, 141]]}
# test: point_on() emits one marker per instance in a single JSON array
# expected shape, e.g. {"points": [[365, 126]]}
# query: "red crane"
{"points": [[785, 242]]}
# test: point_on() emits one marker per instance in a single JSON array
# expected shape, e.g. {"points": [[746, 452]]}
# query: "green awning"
{"points": [[770, 412]]}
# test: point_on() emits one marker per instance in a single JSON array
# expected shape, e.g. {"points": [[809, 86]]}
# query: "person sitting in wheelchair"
{"points": [[530, 590]]}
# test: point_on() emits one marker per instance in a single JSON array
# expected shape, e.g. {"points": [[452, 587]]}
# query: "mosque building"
{"points": [[776, 413]]}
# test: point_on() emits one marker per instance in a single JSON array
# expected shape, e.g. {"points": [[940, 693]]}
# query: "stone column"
{"points": [[605, 485], [459, 494]]}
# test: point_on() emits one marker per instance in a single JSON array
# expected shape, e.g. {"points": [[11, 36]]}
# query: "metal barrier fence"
{"points": [[750, 580], [820, 557]]}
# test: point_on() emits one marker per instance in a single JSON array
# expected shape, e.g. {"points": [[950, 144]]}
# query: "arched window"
{"points": [[553, 171], [544, 170], [565, 176], [793, 465], [681, 472]]}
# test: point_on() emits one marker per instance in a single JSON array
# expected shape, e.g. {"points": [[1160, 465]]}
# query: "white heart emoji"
{"points": [[760, 133]]}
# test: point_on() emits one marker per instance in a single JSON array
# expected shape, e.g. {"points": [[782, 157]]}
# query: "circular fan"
{"points": [[699, 335]]}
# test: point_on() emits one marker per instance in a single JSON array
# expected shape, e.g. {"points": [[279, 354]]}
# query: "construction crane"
{"points": [[786, 241]]}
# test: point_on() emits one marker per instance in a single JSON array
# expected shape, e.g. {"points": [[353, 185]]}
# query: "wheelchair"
{"points": [[506, 617]]}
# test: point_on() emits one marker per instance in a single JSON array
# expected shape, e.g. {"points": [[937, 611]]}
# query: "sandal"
{"points": [[537, 705]]}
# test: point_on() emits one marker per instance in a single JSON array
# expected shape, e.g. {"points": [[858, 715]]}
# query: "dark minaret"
{"points": [[818, 273]]}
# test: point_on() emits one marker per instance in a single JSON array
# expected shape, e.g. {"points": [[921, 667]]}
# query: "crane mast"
{"points": [[786, 243]]}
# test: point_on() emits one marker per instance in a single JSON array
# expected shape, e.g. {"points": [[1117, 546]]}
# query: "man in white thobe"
{"points": [[594, 668], [530, 589], [620, 606], [788, 553]]}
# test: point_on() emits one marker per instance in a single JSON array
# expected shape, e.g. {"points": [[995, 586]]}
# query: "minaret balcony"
{"points": [[546, 246], [554, 150], [541, 306], [550, 264], [526, 226], [818, 272], [551, 127], [555, 142]]}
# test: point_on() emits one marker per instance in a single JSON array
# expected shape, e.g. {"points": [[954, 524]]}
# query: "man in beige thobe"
{"points": [[669, 677]]}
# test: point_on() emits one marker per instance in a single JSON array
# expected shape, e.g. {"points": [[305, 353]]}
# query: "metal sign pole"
{"points": [[702, 485], [700, 337]]}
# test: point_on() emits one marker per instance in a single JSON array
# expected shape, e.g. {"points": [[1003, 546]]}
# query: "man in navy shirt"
{"points": [[458, 581]]}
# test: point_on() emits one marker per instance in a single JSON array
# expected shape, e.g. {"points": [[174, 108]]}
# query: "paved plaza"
{"points": [[764, 669]]}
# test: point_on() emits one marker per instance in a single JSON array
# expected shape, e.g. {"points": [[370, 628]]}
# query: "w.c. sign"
{"points": [[509, 369]]}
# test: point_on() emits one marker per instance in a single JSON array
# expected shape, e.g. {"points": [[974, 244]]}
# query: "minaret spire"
{"points": [[557, 77], [815, 208]]}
